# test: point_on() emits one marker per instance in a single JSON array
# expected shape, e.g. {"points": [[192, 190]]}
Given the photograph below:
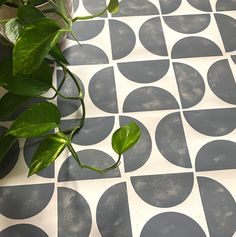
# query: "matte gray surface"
{"points": [[152, 37], [219, 207], [203, 5], [149, 98], [95, 6], [144, 71], [222, 5], [168, 6], [190, 84], [113, 212], [171, 141], [216, 155], [74, 215]]}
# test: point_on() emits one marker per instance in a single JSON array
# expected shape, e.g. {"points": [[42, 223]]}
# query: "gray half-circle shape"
{"points": [[8, 163], [203, 5], [222, 5], [136, 8], [85, 54], [219, 207], [74, 214], [169, 6], [213, 122], [85, 30], [188, 24], [172, 224], [152, 36], [149, 98], [122, 38], [28, 200], [30, 148], [71, 171], [144, 71], [171, 141], [23, 230], [113, 218], [75, 5], [227, 28], [195, 46], [94, 130], [68, 106], [138, 155], [166, 190], [104, 81], [190, 84], [222, 82], [95, 6], [216, 155]]}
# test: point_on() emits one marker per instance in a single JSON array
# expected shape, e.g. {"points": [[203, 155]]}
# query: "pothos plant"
{"points": [[27, 73]]}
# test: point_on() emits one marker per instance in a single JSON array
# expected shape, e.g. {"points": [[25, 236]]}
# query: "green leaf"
{"points": [[57, 54], [2, 2], [13, 29], [6, 72], [49, 149], [34, 84], [29, 14], [35, 42], [9, 102], [125, 137], [6, 142], [113, 6], [36, 121]]}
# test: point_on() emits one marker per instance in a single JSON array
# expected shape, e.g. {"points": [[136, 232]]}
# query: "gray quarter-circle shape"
{"points": [[144, 71], [164, 190], [94, 130], [219, 207], [222, 5], [120, 32], [104, 81], [71, 171], [113, 217], [172, 224], [212, 122], [188, 24], [74, 214], [222, 82], [169, 6], [203, 5], [152, 36], [75, 5], [190, 84], [149, 98], [171, 141], [69, 88], [216, 155], [28, 200], [139, 154], [23, 230], [86, 30], [234, 58], [30, 148], [195, 46], [227, 27], [95, 6], [85, 54], [136, 8], [9, 162]]}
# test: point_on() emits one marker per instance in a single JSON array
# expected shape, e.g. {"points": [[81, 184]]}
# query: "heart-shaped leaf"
{"points": [[57, 54], [13, 29], [6, 142], [49, 149], [36, 120], [113, 6], [35, 41], [125, 138]]}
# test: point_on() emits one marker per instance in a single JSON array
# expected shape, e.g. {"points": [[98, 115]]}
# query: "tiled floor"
{"points": [[170, 66]]}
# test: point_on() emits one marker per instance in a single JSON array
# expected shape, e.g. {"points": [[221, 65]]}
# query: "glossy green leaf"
{"points": [[125, 137], [13, 29], [10, 102], [6, 142], [113, 6], [29, 14], [49, 149], [34, 84], [36, 120], [57, 54], [35, 42], [5, 72]]}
